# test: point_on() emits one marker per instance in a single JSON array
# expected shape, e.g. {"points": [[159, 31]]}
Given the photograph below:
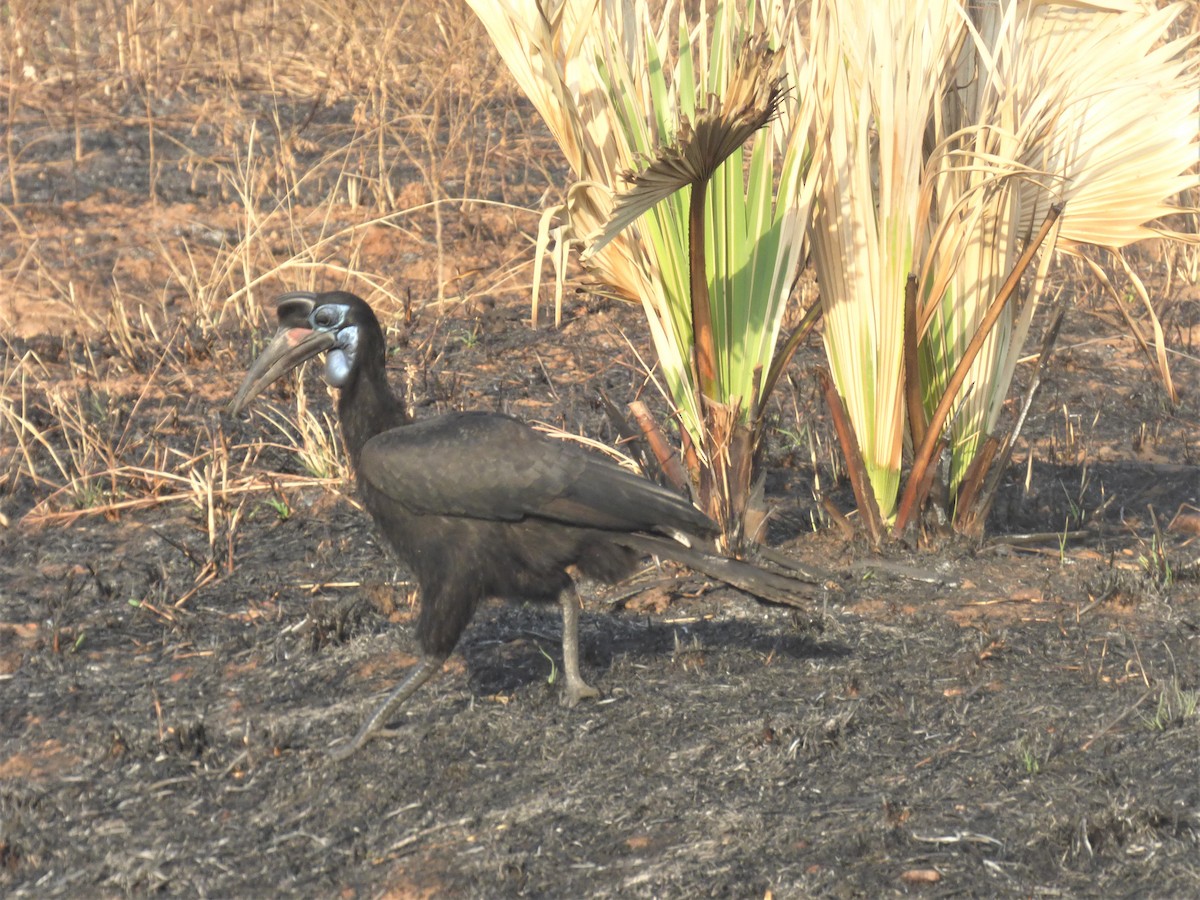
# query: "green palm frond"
{"points": [[645, 106]]}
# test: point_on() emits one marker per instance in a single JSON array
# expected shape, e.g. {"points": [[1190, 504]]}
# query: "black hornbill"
{"points": [[480, 504]]}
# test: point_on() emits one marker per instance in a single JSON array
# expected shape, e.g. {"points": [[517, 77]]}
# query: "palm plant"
{"points": [[954, 130], [711, 237]]}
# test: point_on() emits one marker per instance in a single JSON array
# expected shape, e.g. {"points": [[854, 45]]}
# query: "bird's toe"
{"points": [[576, 691]]}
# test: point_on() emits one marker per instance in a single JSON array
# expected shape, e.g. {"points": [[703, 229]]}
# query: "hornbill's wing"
{"points": [[491, 466]]}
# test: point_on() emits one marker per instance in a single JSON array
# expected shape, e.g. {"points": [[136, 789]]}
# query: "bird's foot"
{"points": [[577, 689], [373, 727], [345, 750]]}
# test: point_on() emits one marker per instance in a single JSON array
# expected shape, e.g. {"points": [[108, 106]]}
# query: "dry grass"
{"points": [[334, 144]]}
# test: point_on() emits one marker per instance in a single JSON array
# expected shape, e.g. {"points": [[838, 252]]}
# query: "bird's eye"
{"points": [[325, 317]]}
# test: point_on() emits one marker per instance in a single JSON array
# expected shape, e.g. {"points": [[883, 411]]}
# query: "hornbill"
{"points": [[480, 504]]}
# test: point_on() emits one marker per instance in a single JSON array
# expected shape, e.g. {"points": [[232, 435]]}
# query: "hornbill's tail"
{"points": [[799, 587]]}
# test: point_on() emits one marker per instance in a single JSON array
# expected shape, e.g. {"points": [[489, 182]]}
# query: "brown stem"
{"points": [[702, 328], [667, 459], [854, 462], [973, 481], [912, 373], [914, 496], [836, 517], [631, 435], [974, 513], [691, 459], [738, 478], [927, 476], [784, 356]]}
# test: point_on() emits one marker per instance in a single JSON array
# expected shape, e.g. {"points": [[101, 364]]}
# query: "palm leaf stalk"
{"points": [[652, 113]]}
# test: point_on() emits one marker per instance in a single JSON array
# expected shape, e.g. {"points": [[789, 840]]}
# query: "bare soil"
{"points": [[1004, 718]]}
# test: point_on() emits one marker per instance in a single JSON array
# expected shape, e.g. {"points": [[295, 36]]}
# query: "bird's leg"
{"points": [[417, 676], [577, 688]]}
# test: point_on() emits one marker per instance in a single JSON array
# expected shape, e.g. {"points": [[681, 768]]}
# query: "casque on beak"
{"points": [[291, 346]]}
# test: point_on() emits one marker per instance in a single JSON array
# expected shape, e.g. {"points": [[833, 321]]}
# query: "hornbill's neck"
{"points": [[366, 405]]}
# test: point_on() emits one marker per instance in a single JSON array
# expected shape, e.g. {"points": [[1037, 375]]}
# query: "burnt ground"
{"points": [[1013, 717]]}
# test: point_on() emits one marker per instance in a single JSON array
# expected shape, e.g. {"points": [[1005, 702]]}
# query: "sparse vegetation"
{"points": [[1176, 707]]}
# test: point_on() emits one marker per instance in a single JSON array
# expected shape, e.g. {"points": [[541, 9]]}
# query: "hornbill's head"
{"points": [[311, 323]]}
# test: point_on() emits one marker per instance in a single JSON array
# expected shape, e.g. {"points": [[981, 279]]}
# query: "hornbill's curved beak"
{"points": [[291, 346]]}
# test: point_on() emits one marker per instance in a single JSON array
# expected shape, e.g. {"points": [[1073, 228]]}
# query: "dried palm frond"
{"points": [[1087, 106], [880, 67]]}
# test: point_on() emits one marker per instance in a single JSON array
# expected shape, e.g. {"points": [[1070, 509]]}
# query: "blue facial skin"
{"points": [[339, 361]]}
